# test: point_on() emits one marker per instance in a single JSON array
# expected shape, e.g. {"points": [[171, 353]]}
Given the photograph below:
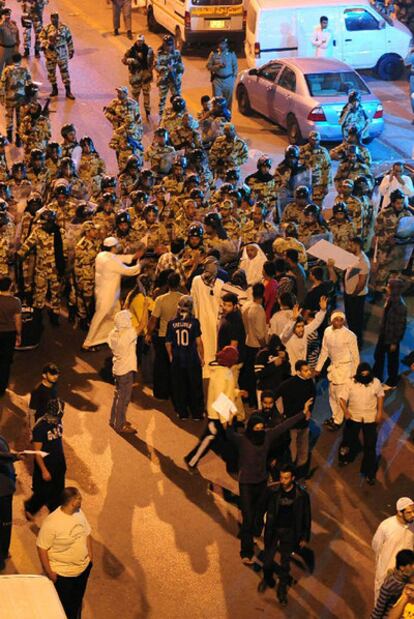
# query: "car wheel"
{"points": [[293, 130], [180, 44], [243, 101], [389, 67], [153, 25]]}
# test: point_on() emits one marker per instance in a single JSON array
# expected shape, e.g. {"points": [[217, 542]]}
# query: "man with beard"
{"points": [[362, 402], [253, 449], [393, 534], [262, 182], [288, 525]]}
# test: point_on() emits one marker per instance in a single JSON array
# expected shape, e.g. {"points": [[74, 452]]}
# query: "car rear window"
{"points": [[335, 84]]}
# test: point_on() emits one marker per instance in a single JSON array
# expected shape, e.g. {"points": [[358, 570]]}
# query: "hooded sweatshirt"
{"points": [[122, 341]]}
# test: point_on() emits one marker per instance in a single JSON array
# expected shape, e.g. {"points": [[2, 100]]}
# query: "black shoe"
{"points": [[190, 468], [281, 595], [10, 135], [72, 314], [69, 95], [18, 141], [263, 585], [55, 91], [26, 52], [371, 481], [129, 34], [116, 32]]}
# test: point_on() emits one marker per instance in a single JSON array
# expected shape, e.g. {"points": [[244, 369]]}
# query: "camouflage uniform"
{"points": [[12, 84], [106, 222], [155, 234], [34, 9], [189, 256], [390, 256], [128, 183], [186, 137], [264, 191], [7, 242], [130, 241], [28, 266], [232, 227], [139, 63], [91, 169], [318, 161], [170, 69], [52, 166], [64, 213], [39, 180], [159, 157], [86, 251], [58, 49], [352, 118], [253, 233], [225, 154], [46, 275], [356, 211], [126, 141], [306, 231], [282, 244], [292, 213], [35, 132], [119, 111], [348, 170], [228, 248], [342, 232], [4, 169], [340, 153]]}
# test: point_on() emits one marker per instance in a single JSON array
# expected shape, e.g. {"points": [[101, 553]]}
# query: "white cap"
{"points": [[110, 241], [403, 503], [337, 314]]}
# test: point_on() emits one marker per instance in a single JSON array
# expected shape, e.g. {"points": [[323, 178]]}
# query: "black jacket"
{"points": [[301, 514]]}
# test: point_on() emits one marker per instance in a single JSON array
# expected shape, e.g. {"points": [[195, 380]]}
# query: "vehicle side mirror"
{"points": [[253, 72], [381, 24]]}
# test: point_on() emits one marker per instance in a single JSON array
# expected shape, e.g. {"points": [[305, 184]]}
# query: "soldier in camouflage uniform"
{"points": [[353, 204], [91, 166], [262, 183], [186, 136], [388, 256], [173, 115], [289, 174], [67, 172], [57, 45], [339, 153], [129, 178], [160, 154], [35, 128], [86, 250], [293, 211], [316, 159], [257, 229], [170, 68], [151, 232], [352, 166], [227, 151], [198, 164], [32, 18], [34, 204], [174, 185], [4, 167], [123, 108], [194, 251], [313, 224], [290, 241], [140, 61], [215, 238], [70, 144], [13, 81], [53, 157], [353, 114], [7, 241], [37, 172], [19, 187], [47, 240], [105, 214], [139, 199], [230, 223], [341, 226], [62, 204], [186, 217], [126, 141], [128, 238], [363, 191]]}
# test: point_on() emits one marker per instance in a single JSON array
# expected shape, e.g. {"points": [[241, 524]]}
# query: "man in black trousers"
{"points": [[10, 330], [7, 489], [288, 527]]}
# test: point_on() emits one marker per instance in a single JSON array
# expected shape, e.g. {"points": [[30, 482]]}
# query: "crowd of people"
{"points": [[199, 277]]}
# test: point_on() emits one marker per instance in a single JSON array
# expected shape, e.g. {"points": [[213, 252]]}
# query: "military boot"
{"points": [[26, 52], [55, 91], [10, 135], [69, 95]]}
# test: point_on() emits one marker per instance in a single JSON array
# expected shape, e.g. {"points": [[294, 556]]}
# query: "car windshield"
{"points": [[335, 84]]}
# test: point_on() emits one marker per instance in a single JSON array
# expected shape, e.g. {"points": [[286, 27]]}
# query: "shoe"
{"points": [[183, 417], [282, 595], [126, 429], [10, 135], [55, 91], [116, 32], [328, 422], [188, 465], [371, 481], [263, 585], [69, 95], [72, 314], [247, 560], [129, 34], [26, 52], [18, 141], [90, 348], [333, 427]]}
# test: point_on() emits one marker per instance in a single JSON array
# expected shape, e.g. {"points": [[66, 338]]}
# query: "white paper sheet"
{"points": [[325, 251], [224, 406], [31, 452]]}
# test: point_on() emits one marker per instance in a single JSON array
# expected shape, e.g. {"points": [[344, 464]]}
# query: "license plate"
{"points": [[217, 24]]}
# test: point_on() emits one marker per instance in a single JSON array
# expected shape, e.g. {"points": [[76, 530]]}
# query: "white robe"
{"points": [[390, 537], [109, 269], [253, 268], [322, 42], [206, 309]]}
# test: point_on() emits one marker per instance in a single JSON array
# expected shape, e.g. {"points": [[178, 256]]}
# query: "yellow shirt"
{"points": [[140, 307]]}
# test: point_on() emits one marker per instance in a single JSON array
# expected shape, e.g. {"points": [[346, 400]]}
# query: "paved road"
{"points": [[166, 547]]}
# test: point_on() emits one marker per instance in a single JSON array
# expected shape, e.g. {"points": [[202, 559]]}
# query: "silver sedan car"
{"points": [[306, 94]]}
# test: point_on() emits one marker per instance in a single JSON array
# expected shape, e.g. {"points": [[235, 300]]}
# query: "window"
{"points": [[335, 84], [360, 19], [288, 80], [270, 71], [251, 20]]}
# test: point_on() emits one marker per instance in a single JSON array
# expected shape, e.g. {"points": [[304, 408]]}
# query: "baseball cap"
{"points": [[403, 503], [228, 356], [110, 241]]}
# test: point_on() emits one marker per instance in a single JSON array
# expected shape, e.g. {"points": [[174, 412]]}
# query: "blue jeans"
{"points": [[122, 397]]}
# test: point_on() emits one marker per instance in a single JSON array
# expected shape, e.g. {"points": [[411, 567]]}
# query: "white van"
{"points": [[362, 37], [198, 21]]}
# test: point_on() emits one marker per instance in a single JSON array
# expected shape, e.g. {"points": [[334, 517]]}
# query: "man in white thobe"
{"points": [[340, 345], [393, 534], [110, 266], [396, 179], [322, 39], [206, 293]]}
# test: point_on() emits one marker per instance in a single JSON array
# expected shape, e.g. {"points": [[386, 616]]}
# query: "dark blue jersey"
{"points": [[182, 334]]}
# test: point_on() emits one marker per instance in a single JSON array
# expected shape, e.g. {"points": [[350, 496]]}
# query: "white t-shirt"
{"points": [[362, 399], [352, 275], [64, 537]]}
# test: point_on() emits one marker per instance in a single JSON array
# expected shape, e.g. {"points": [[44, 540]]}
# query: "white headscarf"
{"points": [[253, 268]]}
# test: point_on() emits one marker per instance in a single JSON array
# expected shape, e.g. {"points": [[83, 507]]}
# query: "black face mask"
{"points": [[364, 379], [257, 437]]}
